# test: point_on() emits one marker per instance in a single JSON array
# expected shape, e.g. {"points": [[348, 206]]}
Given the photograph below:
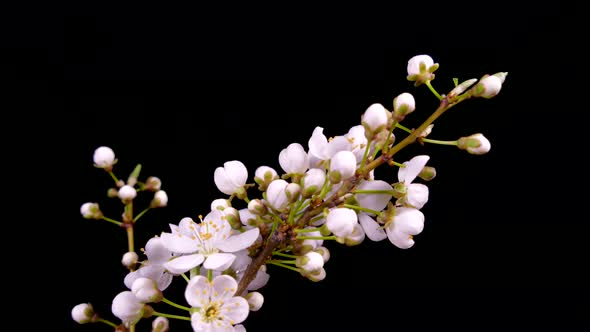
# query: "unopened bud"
{"points": [[421, 69], [233, 217], [474, 144], [104, 157], [459, 89], [263, 176], [160, 199], [153, 183], [293, 190], [324, 252], [146, 290], [255, 300], [129, 259], [112, 192], [91, 211], [160, 324], [489, 86], [374, 120], [127, 193], [403, 105], [256, 206], [428, 173], [83, 313]]}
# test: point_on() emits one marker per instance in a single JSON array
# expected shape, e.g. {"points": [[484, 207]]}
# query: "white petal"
{"points": [[182, 264], [197, 291], [372, 229], [400, 240], [413, 168], [239, 328], [179, 243], [339, 143], [318, 144], [156, 252], [187, 226], [408, 220], [375, 202], [219, 261], [164, 281], [237, 172], [261, 279], [127, 307], [417, 195], [224, 288], [198, 324], [238, 242], [235, 309]]}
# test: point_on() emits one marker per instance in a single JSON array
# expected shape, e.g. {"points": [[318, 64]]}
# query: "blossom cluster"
{"points": [[324, 191]]}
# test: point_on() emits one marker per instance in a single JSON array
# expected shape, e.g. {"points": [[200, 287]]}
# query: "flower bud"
{"points": [[293, 190], [160, 199], [127, 193], [324, 252], [83, 313], [356, 237], [129, 259], [340, 221], [104, 157], [112, 193], [127, 307], [342, 166], [313, 182], [256, 206], [374, 119], [263, 176], [153, 184], [232, 216], [474, 144], [489, 86], [146, 290], [310, 262], [90, 211], [255, 300], [459, 89], [231, 178], [294, 159], [319, 276], [219, 204], [276, 195], [428, 173], [403, 105], [160, 324], [421, 69]]}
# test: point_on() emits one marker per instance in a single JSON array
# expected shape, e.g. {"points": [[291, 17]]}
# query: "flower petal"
{"points": [[399, 239], [235, 310], [318, 143], [179, 243], [198, 291], [237, 172], [261, 279], [183, 263], [408, 220], [219, 261], [413, 168], [238, 242], [375, 202], [156, 252], [339, 143], [372, 229], [224, 288], [417, 195]]}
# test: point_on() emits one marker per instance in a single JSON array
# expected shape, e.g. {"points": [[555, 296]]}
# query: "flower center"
{"points": [[211, 313]]}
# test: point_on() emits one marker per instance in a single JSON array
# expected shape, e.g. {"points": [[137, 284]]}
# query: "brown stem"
{"points": [[273, 241]]}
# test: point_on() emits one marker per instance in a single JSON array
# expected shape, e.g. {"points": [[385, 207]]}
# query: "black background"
{"points": [[181, 90]]}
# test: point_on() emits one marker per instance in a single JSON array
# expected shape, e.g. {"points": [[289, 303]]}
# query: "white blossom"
{"points": [[293, 159], [231, 178], [375, 202], [127, 307], [83, 313], [372, 229], [375, 118], [311, 262], [358, 141], [217, 307], [209, 242], [153, 268], [104, 157], [342, 166], [321, 149], [406, 223], [416, 194], [276, 195], [146, 290], [340, 221]]}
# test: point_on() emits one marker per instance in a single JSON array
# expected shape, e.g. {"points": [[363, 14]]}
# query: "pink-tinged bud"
{"points": [[474, 144]]}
